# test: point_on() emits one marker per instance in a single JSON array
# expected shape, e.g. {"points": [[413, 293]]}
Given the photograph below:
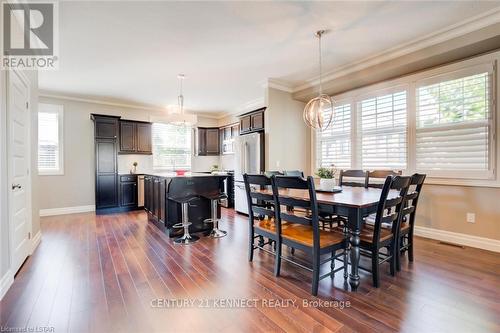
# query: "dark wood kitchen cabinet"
{"points": [[105, 127], [128, 191], [144, 138], [106, 162], [135, 137], [208, 141], [155, 199], [128, 136], [252, 121]]}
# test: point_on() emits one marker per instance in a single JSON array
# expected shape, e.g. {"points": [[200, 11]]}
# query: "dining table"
{"points": [[353, 203]]}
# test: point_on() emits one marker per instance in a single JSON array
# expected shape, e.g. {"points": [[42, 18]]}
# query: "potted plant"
{"points": [[134, 168], [327, 177]]}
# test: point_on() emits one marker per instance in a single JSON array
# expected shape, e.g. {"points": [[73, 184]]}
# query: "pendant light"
{"points": [[318, 112], [180, 118]]}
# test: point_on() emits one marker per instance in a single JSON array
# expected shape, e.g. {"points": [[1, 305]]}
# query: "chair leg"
{"points": [[398, 254], [375, 268], [392, 262], [410, 247], [346, 263], [315, 277], [250, 247], [277, 259], [332, 265]]}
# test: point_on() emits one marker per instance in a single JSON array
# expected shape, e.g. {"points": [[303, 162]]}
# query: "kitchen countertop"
{"points": [[186, 175]]}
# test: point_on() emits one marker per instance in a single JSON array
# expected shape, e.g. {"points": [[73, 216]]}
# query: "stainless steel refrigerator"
{"points": [[249, 152]]}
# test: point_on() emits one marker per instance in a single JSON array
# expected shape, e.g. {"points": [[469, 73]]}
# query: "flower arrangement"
{"points": [[326, 173]]}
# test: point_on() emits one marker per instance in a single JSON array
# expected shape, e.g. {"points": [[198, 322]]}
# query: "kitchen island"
{"points": [[161, 191]]}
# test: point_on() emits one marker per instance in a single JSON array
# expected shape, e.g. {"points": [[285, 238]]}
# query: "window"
{"points": [[453, 126], [441, 122], [382, 131], [50, 139], [334, 144], [171, 146]]}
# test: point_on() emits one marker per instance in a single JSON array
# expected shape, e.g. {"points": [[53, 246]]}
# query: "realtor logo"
{"points": [[29, 36]]}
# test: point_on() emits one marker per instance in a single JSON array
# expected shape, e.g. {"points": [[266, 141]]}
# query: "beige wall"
{"points": [[445, 207], [76, 186], [287, 139]]}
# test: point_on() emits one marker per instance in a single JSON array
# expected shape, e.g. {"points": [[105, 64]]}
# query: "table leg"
{"points": [[354, 222]]}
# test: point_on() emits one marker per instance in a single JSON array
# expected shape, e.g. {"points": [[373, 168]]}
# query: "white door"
{"points": [[18, 155]]}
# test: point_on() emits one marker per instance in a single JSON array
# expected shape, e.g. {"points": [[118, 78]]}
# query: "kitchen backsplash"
{"points": [[144, 163], [198, 163]]}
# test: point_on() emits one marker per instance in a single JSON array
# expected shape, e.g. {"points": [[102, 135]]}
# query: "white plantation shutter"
{"points": [[382, 131], [334, 144], [50, 139], [171, 146], [453, 129]]}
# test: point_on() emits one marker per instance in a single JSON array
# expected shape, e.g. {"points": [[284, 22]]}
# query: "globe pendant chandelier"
{"points": [[318, 112]]}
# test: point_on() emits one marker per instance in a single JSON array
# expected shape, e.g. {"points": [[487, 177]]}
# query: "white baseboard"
{"points": [[457, 238], [67, 210], [5, 283], [35, 241]]}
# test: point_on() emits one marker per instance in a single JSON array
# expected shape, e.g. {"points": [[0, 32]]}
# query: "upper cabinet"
{"points": [[207, 141], [144, 138], [135, 137], [106, 127], [227, 136], [252, 122]]}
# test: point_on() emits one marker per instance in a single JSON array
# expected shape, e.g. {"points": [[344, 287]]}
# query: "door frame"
{"points": [[24, 79]]}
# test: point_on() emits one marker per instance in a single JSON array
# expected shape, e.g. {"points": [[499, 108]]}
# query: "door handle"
{"points": [[14, 186]]}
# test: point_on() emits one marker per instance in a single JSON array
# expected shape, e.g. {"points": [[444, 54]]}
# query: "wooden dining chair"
{"points": [[375, 238], [361, 174], [294, 173], [261, 216], [408, 219], [302, 231], [272, 173], [380, 175]]}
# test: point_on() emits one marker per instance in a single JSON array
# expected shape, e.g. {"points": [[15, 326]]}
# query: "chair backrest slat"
{"points": [[294, 173], [281, 185], [259, 204], [390, 210], [363, 175], [381, 175], [411, 202]]}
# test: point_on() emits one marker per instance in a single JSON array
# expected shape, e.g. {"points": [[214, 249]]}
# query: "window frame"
{"points": [[59, 110], [190, 153], [457, 69]]}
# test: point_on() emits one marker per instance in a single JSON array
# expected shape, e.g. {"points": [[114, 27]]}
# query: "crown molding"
{"points": [[42, 93], [278, 84], [453, 31]]}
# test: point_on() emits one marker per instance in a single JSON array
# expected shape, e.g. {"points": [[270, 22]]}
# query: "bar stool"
{"points": [[186, 238], [214, 201]]}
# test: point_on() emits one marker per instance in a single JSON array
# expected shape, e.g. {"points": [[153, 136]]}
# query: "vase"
{"points": [[327, 183]]}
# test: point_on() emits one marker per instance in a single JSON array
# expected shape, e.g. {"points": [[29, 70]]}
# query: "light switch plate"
{"points": [[471, 218]]}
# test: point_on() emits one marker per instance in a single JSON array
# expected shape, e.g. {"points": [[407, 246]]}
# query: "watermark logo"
{"points": [[30, 35]]}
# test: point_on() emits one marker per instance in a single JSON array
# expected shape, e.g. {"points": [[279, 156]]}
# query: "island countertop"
{"points": [[186, 175]]}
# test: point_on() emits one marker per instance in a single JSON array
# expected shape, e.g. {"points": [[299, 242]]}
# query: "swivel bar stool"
{"points": [[214, 201], [186, 238]]}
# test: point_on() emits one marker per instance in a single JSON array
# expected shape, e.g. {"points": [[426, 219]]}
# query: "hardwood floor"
{"points": [[111, 272]]}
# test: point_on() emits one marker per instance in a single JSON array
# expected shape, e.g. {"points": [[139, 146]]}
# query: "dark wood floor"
{"points": [[102, 274]]}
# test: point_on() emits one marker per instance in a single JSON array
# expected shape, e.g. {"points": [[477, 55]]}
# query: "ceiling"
{"points": [[132, 51]]}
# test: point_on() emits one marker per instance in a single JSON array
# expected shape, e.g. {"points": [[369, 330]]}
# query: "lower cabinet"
{"points": [[154, 198], [128, 191]]}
